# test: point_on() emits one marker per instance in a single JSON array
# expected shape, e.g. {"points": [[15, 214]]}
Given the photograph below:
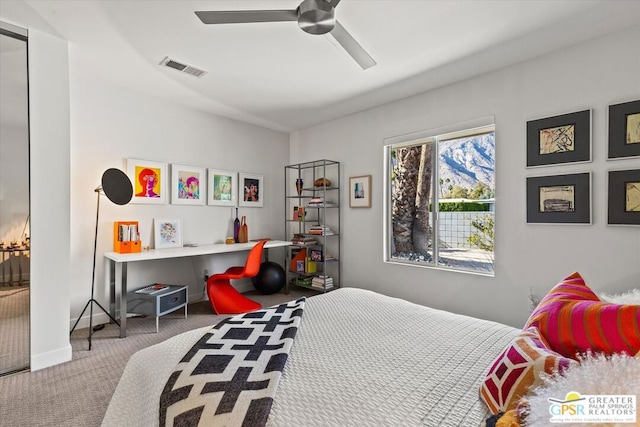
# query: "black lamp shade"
{"points": [[117, 186]]}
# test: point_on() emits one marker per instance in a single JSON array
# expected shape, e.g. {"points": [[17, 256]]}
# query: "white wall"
{"points": [[591, 75], [110, 125], [50, 239]]}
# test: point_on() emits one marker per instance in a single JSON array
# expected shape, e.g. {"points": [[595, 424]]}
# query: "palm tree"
{"points": [[410, 198], [421, 223]]}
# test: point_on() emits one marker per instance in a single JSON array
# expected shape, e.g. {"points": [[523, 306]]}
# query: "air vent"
{"points": [[181, 66]]}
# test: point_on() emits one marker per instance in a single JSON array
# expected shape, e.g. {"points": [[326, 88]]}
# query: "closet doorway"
{"points": [[14, 201]]}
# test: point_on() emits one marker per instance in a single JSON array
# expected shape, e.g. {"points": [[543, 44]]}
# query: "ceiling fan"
{"points": [[313, 16]]}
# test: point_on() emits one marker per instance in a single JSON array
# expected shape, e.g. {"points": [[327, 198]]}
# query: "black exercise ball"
{"points": [[270, 279]]}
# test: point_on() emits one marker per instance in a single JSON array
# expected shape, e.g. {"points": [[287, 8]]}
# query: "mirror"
{"points": [[14, 201]]}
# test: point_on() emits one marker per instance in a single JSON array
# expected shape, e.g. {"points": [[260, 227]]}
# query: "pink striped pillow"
{"points": [[573, 320]]}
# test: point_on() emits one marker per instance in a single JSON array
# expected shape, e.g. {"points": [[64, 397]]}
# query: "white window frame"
{"points": [[435, 136]]}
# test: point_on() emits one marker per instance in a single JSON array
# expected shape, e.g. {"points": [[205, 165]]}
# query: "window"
{"points": [[439, 198]]}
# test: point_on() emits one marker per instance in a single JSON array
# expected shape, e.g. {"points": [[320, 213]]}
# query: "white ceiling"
{"points": [[277, 76]]}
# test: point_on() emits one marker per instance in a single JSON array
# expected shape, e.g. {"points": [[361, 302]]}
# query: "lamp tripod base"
{"points": [[91, 328]]}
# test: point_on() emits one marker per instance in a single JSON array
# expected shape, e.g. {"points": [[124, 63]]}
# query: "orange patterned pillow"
{"points": [[518, 369], [573, 320]]}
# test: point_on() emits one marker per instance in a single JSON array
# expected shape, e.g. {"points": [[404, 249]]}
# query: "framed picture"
{"points": [[559, 199], [187, 185], [360, 191], [624, 130], [223, 188], [316, 255], [149, 181], [167, 233], [559, 139], [251, 191], [624, 197]]}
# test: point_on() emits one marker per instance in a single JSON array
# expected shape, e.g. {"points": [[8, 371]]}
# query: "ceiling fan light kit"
{"points": [[314, 17]]}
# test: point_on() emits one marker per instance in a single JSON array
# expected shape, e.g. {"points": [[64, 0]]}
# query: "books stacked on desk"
{"points": [[322, 282], [303, 240], [320, 230]]}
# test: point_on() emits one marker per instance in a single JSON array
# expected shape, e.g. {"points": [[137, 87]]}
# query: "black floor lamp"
{"points": [[117, 187]]}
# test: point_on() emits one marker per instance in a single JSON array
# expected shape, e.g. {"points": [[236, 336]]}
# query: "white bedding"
{"points": [[359, 359]]}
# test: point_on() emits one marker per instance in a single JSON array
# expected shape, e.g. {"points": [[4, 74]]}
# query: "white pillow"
{"points": [[631, 297]]}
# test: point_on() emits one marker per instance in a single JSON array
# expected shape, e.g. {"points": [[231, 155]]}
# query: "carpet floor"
{"points": [[77, 393]]}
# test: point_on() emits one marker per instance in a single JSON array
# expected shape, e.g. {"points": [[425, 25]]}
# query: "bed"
{"points": [[359, 358]]}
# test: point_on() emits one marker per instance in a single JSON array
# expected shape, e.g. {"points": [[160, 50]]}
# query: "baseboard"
{"points": [[50, 358], [99, 317], [243, 286]]}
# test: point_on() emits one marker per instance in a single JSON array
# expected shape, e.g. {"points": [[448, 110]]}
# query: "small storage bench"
{"points": [[155, 301]]}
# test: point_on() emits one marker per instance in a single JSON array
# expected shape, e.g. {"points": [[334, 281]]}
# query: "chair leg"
{"points": [[224, 299]]}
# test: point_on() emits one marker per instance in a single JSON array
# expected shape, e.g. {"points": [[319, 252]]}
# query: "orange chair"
{"points": [[223, 297]]}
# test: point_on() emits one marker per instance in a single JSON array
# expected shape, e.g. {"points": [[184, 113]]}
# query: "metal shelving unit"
{"points": [[313, 216]]}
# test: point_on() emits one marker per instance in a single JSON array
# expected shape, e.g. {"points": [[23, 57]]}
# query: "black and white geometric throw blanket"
{"points": [[229, 377]]}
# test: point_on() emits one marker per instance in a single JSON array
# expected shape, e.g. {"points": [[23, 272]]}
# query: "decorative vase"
{"points": [[243, 235], [299, 184], [236, 228]]}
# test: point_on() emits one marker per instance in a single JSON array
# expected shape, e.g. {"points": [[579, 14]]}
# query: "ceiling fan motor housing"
{"points": [[316, 16]]}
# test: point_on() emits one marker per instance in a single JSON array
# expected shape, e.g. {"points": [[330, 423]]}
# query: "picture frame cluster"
{"points": [[566, 139], [193, 185]]}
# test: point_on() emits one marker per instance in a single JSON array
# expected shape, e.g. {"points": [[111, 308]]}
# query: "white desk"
{"points": [[117, 268]]}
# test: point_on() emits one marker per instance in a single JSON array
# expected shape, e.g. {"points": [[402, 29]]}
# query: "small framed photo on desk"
{"points": [[167, 233]]}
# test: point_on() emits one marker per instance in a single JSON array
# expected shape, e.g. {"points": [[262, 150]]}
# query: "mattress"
{"points": [[359, 358]]}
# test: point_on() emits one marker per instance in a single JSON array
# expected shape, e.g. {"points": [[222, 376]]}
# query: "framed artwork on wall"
{"points": [[223, 187], [560, 139], [187, 185], [559, 199], [360, 191], [149, 181], [250, 190], [624, 197], [624, 130], [167, 233]]}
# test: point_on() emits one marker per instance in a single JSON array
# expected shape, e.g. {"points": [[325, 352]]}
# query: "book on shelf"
{"points": [[320, 227], [325, 281], [322, 282], [320, 230], [321, 233], [319, 202], [303, 240]]}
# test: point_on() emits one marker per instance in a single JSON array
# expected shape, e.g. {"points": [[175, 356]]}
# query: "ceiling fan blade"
{"points": [[244, 16], [352, 47], [334, 3]]}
